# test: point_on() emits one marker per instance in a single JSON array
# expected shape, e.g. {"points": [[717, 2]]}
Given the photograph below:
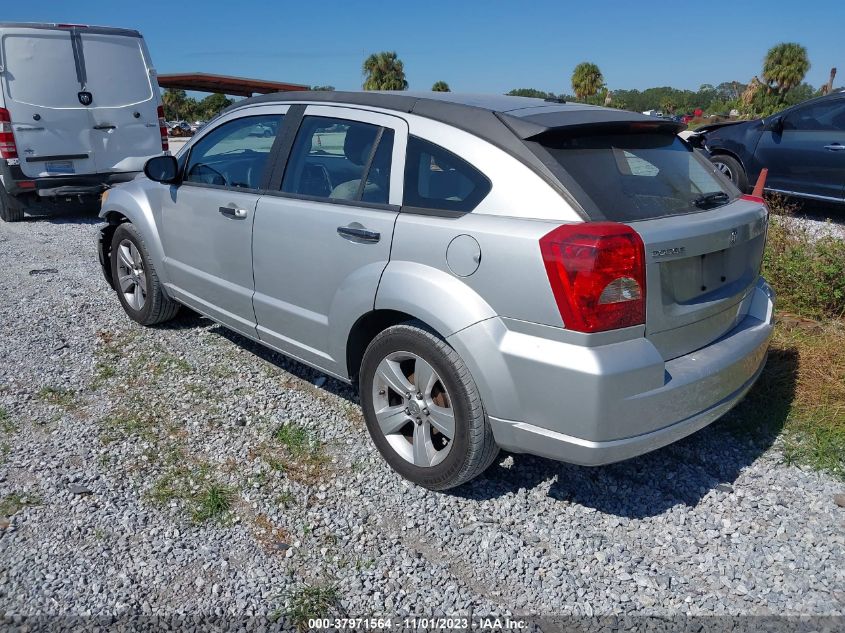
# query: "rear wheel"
{"points": [[9, 212], [731, 168], [136, 281], [423, 409]]}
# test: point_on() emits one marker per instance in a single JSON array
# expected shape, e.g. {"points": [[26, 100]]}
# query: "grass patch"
{"points": [[801, 393], [294, 438], [205, 500], [307, 459], [14, 502], [311, 601], [127, 424], [6, 423], [806, 270], [64, 398], [214, 502]]}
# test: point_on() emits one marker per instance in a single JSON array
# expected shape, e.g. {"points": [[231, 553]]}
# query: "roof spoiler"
{"points": [[532, 126]]}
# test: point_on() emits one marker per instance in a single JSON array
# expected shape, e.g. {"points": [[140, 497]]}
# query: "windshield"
{"points": [[633, 176]]}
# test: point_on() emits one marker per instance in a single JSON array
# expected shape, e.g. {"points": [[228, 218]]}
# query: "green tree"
{"points": [[531, 92], [384, 71], [323, 88], [587, 80], [785, 66], [212, 105], [175, 104], [440, 86]]}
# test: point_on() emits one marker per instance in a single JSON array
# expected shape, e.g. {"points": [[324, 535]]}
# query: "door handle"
{"points": [[357, 234], [233, 212], [104, 127], [836, 147]]}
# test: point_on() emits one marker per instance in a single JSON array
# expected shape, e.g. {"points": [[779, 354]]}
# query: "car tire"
{"points": [[9, 212], [412, 432], [732, 169], [135, 279]]}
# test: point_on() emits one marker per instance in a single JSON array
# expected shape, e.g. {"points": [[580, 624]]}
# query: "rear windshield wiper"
{"points": [[712, 199]]}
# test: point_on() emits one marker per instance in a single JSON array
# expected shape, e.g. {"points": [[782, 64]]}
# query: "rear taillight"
{"points": [[162, 128], [597, 274], [8, 149]]}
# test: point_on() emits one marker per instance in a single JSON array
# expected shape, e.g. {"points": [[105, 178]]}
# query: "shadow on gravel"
{"points": [[293, 367], [75, 216], [679, 474]]}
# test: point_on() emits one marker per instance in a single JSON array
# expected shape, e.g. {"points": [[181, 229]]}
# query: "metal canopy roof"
{"points": [[238, 86]]}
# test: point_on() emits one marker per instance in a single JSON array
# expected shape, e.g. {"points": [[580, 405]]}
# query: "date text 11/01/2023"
{"points": [[451, 624]]}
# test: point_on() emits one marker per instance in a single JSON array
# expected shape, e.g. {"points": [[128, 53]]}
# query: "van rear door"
{"points": [[41, 86], [118, 74]]}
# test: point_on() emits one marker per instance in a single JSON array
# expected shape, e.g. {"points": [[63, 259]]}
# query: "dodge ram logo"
{"points": [[85, 98]]}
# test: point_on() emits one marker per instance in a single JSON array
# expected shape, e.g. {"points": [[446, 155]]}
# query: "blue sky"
{"points": [[474, 46]]}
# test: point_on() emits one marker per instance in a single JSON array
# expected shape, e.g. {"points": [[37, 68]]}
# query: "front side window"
{"points": [[234, 154], [825, 116], [435, 178], [338, 159]]}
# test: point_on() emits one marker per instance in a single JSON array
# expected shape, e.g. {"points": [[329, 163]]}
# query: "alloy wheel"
{"points": [[413, 409], [724, 169], [131, 276]]}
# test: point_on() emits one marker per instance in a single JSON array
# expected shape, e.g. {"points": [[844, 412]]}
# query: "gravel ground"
{"points": [[113, 434]]}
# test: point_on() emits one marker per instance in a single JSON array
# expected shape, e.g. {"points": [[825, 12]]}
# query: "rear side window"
{"points": [[234, 154], [435, 178], [636, 176], [340, 159]]}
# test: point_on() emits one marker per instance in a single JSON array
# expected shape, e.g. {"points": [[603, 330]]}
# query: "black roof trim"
{"points": [[56, 26]]}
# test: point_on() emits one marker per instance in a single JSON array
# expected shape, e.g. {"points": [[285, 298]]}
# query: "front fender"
{"points": [[443, 301], [130, 202]]}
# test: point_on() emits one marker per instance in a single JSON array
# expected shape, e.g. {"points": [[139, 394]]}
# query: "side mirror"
{"points": [[162, 169], [774, 124]]}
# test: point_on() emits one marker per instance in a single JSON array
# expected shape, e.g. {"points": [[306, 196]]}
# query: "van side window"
{"points": [[827, 116], [340, 159], [234, 154], [435, 178]]}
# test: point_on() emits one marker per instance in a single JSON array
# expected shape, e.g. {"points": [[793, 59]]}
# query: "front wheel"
{"points": [[732, 169], [423, 409], [136, 281]]}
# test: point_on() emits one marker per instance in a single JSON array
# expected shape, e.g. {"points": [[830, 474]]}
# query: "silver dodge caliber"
{"points": [[494, 272]]}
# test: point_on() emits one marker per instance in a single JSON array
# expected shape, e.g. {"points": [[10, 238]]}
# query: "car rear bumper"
{"points": [[601, 404]]}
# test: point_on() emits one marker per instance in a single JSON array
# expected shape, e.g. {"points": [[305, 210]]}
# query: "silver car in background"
{"points": [[494, 272]]}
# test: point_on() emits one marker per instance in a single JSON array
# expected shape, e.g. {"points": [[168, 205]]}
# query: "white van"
{"points": [[80, 110]]}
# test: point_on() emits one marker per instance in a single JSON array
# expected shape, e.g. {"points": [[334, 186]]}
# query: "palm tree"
{"points": [[440, 86], [174, 102], [785, 66], [384, 71], [587, 80]]}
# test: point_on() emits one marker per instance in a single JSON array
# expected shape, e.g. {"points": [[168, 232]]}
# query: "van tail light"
{"points": [[597, 274], [162, 128], [8, 148]]}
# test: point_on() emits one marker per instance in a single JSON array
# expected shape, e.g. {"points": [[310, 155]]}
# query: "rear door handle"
{"points": [[356, 234], [836, 147], [233, 212], [104, 127]]}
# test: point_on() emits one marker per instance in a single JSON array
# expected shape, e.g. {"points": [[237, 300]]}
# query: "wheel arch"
{"points": [[127, 203]]}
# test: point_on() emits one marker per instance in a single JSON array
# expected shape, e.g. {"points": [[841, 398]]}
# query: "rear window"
{"points": [[638, 176]]}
